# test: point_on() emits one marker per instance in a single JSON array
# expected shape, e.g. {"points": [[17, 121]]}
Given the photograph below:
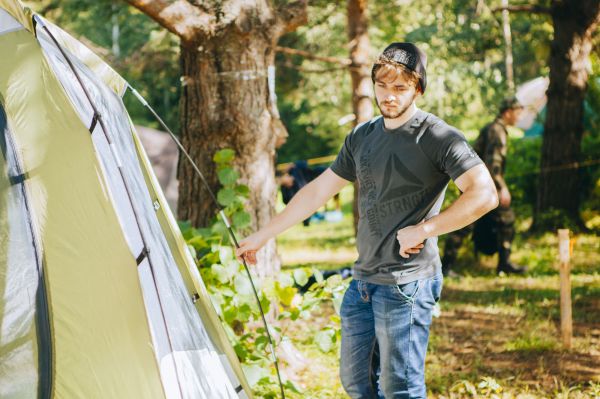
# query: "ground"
{"points": [[495, 336]]}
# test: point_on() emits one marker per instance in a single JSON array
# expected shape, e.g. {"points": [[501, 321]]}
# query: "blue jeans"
{"points": [[385, 331]]}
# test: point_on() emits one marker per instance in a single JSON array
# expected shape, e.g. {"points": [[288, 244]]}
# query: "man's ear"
{"points": [[419, 89]]}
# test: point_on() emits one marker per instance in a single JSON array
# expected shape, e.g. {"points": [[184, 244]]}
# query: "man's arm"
{"points": [[478, 197], [310, 198]]}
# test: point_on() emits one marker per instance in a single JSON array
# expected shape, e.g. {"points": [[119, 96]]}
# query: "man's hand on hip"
{"points": [[411, 240]]}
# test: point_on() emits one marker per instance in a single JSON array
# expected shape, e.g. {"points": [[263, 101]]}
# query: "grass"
{"points": [[495, 335]]}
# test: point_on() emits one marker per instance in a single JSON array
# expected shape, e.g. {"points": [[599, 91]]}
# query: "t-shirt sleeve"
{"points": [[449, 150], [344, 165]]}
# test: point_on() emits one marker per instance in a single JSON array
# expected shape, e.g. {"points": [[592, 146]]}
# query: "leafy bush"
{"points": [[232, 295]]}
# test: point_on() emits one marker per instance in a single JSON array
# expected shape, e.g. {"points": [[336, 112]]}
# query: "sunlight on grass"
{"points": [[536, 336], [324, 245]]}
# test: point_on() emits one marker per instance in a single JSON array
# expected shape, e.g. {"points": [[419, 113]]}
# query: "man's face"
{"points": [[512, 115], [394, 97], [287, 180]]}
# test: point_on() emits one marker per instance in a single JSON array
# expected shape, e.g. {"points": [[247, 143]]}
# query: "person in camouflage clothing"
{"points": [[491, 146]]}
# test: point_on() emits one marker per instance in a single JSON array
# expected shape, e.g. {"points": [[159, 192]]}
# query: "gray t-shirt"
{"points": [[402, 177]]}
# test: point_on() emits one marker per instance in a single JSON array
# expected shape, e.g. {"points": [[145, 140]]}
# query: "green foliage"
{"points": [[487, 388], [522, 165], [591, 149], [465, 73], [466, 70], [224, 157], [232, 294], [311, 102], [226, 280], [307, 139]]}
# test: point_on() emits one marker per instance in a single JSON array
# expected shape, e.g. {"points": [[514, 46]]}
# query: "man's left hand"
{"points": [[411, 240]]}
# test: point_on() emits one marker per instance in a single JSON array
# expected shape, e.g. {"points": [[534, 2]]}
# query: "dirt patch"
{"points": [[476, 336], [478, 343]]}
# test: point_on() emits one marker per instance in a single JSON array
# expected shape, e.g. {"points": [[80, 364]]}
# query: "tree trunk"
{"points": [[225, 104], [115, 33], [574, 22], [362, 87], [226, 51], [508, 50]]}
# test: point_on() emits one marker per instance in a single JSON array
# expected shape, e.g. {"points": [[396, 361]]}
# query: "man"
{"points": [[403, 162], [491, 145]]}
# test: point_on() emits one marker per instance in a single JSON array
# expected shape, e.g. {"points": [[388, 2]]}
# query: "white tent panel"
{"points": [[18, 281], [8, 23], [18, 338], [214, 382]]}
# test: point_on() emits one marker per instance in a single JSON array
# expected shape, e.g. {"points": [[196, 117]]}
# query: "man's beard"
{"points": [[394, 114]]}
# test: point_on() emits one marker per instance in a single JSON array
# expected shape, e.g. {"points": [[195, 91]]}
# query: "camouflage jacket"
{"points": [[491, 146]]}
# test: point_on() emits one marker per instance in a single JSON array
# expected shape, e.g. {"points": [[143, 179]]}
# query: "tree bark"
{"points": [[225, 104], [362, 87], [227, 48], [508, 50], [574, 23]]}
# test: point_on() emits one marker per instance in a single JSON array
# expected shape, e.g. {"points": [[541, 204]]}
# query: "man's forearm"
{"points": [[470, 206], [301, 206]]}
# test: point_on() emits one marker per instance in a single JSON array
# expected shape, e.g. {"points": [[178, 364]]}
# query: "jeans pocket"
{"points": [[436, 287], [408, 291], [426, 303]]}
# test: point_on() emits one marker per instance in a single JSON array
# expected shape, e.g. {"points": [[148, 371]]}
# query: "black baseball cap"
{"points": [[406, 54]]}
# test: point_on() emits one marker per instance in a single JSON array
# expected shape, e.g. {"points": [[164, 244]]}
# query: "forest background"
{"points": [[467, 79]]}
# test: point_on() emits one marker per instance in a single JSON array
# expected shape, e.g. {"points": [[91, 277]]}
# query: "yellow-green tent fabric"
{"points": [[99, 295]]}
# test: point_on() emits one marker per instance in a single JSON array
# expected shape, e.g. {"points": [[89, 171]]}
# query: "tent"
{"points": [[532, 94], [99, 295], [164, 156]]}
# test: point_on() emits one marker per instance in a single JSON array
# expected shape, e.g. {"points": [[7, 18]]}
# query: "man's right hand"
{"points": [[504, 197], [310, 198], [249, 246]]}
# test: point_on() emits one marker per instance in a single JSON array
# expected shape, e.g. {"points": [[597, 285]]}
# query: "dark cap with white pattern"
{"points": [[408, 55]]}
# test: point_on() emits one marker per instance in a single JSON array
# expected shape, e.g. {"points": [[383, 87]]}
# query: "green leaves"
{"points": [[254, 373], [228, 176], [242, 285], [285, 294], [242, 190], [325, 339], [241, 219], [226, 196], [232, 195], [231, 291], [224, 156], [301, 277]]}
